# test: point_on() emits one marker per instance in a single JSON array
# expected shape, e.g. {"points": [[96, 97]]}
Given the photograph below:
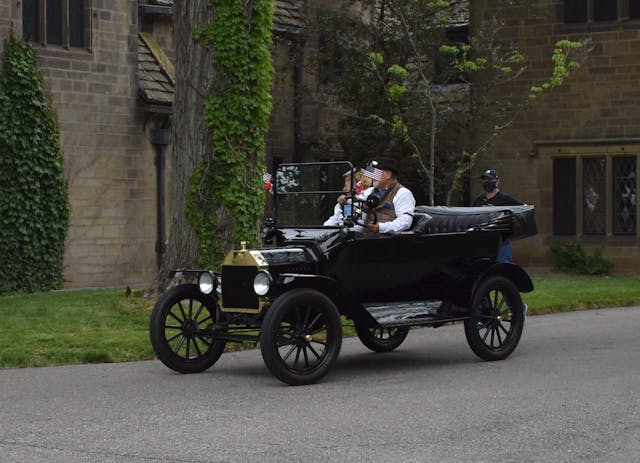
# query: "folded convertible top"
{"points": [[515, 222]]}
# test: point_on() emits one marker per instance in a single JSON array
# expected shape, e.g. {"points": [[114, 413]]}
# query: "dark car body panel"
{"points": [[407, 266], [375, 274], [443, 256]]}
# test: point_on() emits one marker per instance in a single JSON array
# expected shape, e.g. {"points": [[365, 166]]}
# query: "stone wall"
{"points": [[280, 142], [108, 157], [595, 112], [105, 135]]}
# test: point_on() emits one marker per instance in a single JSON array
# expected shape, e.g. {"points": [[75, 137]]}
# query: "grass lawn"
{"points": [[93, 326], [66, 327], [562, 293]]}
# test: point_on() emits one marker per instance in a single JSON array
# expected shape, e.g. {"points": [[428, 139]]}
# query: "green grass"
{"points": [[73, 327], [68, 327], [561, 293]]}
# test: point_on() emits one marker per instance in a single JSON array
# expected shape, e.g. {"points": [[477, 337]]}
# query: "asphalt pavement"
{"points": [[570, 392]]}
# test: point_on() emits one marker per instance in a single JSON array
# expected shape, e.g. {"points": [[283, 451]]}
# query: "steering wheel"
{"points": [[360, 207]]}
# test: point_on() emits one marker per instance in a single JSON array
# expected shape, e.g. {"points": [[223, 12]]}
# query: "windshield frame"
{"points": [[280, 194]]}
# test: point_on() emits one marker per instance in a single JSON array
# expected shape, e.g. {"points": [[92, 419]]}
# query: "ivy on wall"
{"points": [[34, 208], [227, 195]]}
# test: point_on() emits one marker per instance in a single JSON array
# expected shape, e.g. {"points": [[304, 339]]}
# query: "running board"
{"points": [[392, 314]]}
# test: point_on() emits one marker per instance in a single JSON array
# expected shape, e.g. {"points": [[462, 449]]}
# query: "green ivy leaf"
{"points": [[33, 193]]}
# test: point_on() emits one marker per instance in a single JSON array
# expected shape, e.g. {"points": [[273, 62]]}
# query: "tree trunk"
{"points": [[191, 139]]}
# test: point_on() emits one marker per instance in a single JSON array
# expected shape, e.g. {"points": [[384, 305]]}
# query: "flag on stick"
{"points": [[372, 172]]}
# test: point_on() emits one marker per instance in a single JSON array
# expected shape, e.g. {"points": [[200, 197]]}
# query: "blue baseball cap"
{"points": [[492, 174]]}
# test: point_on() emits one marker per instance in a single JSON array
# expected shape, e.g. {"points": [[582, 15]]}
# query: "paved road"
{"points": [[570, 392]]}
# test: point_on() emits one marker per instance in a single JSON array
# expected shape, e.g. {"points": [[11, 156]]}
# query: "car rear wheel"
{"points": [[381, 339], [496, 322], [181, 330], [301, 336]]}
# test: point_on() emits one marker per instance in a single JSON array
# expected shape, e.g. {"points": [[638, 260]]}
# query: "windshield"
{"points": [[306, 194]]}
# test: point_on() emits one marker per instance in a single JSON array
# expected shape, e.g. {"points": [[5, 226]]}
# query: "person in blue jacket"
{"points": [[493, 196]]}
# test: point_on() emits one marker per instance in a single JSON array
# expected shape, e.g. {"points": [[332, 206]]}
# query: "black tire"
{"points": [[178, 330], [301, 336], [381, 339], [496, 322]]}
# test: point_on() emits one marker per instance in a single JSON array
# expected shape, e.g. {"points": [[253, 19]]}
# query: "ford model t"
{"points": [[292, 295]]}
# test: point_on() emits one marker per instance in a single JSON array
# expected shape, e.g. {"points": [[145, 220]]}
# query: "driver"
{"points": [[394, 212]]}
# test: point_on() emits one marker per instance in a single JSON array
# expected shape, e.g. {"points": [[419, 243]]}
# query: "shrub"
{"points": [[571, 258], [34, 209]]}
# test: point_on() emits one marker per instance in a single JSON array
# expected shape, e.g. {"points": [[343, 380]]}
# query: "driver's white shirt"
{"points": [[403, 204]]}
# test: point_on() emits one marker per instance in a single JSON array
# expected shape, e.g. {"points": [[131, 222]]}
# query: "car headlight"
{"points": [[207, 282], [262, 282]]}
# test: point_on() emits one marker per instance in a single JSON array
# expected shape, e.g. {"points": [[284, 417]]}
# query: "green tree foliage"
{"points": [[408, 73], [227, 194], [34, 210]]}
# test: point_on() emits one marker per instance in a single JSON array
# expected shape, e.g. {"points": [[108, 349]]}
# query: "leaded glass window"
{"points": [[594, 196], [625, 196]]}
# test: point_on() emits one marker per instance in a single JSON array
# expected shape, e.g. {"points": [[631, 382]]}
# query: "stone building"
{"points": [[107, 68], [575, 154]]}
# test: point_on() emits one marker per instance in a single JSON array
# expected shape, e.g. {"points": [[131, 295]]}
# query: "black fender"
{"points": [[182, 272], [464, 287], [511, 271], [346, 303]]}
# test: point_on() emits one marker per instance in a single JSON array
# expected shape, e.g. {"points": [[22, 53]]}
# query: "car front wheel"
{"points": [[497, 318], [301, 336], [181, 330]]}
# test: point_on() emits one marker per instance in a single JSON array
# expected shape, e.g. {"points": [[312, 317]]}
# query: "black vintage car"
{"points": [[292, 295]]}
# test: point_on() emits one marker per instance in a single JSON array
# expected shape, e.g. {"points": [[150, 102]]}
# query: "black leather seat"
{"points": [[420, 223]]}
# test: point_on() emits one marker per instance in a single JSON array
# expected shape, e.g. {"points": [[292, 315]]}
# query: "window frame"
{"points": [[623, 15], [609, 234], [65, 27], [614, 194]]}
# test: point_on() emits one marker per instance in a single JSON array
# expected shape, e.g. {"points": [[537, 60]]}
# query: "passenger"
{"points": [[362, 183], [493, 196], [337, 219], [394, 213]]}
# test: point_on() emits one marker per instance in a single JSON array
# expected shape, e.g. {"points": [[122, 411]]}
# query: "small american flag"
{"points": [[266, 177], [372, 172]]}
